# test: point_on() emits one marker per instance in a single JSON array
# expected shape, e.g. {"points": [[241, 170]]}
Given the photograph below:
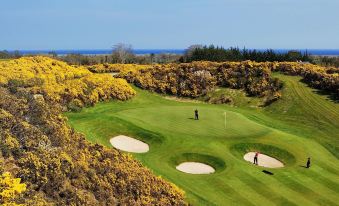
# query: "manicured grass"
{"points": [[302, 124]]}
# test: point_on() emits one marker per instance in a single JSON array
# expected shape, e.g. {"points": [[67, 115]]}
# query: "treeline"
{"points": [[220, 54], [45, 162], [121, 54], [327, 61], [78, 59], [9, 55]]}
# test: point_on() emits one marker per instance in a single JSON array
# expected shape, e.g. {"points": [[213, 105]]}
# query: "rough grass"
{"points": [[302, 124], [239, 97]]}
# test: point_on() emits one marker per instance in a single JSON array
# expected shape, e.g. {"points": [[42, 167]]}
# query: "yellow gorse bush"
{"points": [[61, 83], [106, 68], [189, 79], [10, 187], [59, 166], [49, 70]]}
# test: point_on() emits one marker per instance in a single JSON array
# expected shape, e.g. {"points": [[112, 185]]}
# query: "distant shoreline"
{"points": [[92, 52]]}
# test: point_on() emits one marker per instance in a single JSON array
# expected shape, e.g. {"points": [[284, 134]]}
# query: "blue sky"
{"points": [[99, 24]]}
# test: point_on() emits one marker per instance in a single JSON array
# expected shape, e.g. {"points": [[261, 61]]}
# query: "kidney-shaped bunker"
{"points": [[263, 160], [129, 144], [195, 168]]}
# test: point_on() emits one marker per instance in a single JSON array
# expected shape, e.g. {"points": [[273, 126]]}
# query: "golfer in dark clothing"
{"points": [[308, 163], [255, 161], [196, 115]]}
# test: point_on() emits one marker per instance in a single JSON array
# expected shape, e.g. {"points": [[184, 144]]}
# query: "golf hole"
{"points": [[129, 144], [195, 168], [263, 160]]}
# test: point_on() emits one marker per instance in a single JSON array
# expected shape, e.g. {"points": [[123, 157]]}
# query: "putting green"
{"points": [[222, 137]]}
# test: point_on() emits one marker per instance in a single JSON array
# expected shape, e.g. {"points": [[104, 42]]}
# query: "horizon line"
{"points": [[98, 49]]}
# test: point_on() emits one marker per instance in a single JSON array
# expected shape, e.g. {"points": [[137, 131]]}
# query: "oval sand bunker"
{"points": [[195, 168], [264, 160], [129, 144]]}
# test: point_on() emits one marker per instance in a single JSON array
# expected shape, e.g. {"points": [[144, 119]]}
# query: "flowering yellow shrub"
{"points": [[61, 83], [58, 165], [107, 68], [10, 187], [195, 78], [30, 70]]}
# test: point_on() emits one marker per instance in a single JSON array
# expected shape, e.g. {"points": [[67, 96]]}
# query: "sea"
{"points": [[62, 52]]}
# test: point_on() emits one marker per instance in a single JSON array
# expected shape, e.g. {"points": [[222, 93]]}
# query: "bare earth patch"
{"points": [[195, 168], [129, 144], [178, 99], [264, 160]]}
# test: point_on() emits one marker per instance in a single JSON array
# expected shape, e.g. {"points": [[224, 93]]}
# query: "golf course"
{"points": [[302, 124]]}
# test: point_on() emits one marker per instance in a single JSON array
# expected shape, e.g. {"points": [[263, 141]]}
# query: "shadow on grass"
{"points": [[267, 172], [303, 166], [330, 96]]}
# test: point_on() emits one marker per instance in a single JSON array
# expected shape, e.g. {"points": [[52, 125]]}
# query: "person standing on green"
{"points": [[196, 114], [308, 163]]}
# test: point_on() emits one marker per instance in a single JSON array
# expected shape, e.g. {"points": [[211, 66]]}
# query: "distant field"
{"points": [[302, 124]]}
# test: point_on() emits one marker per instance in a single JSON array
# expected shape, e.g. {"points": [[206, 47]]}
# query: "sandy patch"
{"points": [[179, 99], [195, 168], [114, 73], [129, 144], [264, 160]]}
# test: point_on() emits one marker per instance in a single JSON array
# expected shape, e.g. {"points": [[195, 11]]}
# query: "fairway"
{"points": [[302, 124]]}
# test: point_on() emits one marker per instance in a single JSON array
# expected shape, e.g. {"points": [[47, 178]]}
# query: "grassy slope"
{"points": [[298, 123]]}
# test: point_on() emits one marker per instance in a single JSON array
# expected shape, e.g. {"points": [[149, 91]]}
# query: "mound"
{"points": [[264, 160], [195, 168], [129, 144]]}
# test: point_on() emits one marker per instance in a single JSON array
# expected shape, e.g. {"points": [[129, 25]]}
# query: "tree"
{"points": [[190, 50], [152, 55], [294, 55], [122, 52]]}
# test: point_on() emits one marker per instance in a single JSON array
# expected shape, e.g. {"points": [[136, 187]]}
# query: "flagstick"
{"points": [[225, 119]]}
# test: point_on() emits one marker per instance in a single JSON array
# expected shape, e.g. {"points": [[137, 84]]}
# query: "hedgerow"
{"points": [[197, 78]]}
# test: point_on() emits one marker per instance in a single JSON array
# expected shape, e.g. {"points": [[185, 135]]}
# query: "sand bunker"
{"points": [[264, 160], [195, 168], [129, 144]]}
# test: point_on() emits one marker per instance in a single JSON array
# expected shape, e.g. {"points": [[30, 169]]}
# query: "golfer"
{"points": [[308, 163], [255, 161], [196, 114]]}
